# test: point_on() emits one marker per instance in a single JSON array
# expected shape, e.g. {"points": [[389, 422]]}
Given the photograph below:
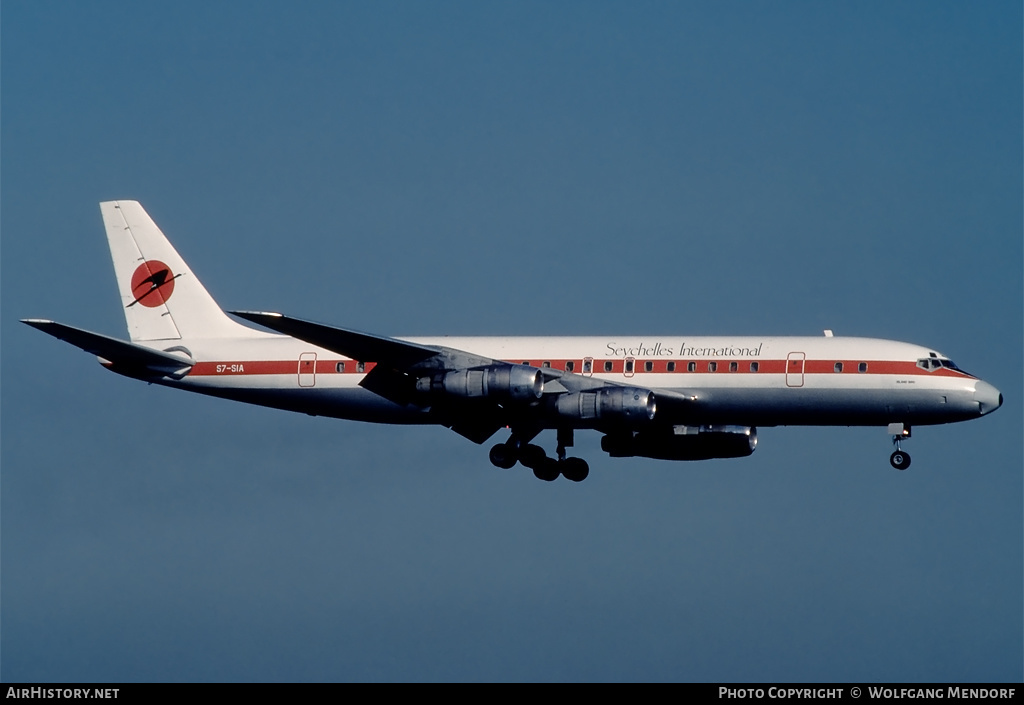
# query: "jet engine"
{"points": [[630, 404], [684, 443], [516, 382]]}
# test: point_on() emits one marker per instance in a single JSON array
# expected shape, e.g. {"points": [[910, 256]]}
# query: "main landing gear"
{"points": [[899, 459], [517, 449]]}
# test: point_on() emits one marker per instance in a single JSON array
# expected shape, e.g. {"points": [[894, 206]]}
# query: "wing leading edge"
{"points": [[350, 343]]}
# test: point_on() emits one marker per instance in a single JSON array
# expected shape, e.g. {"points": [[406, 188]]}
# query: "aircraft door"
{"points": [[307, 369], [795, 369]]}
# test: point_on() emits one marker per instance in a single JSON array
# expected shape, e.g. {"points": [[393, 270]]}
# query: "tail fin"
{"points": [[162, 299]]}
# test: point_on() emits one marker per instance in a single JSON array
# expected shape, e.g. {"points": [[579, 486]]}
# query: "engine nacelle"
{"points": [[630, 404], [684, 443], [516, 382]]}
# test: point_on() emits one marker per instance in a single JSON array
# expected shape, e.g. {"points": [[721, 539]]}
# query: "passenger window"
{"points": [[754, 367], [671, 367], [629, 365], [360, 367], [712, 367], [838, 367], [862, 367], [691, 366], [570, 366], [586, 365], [546, 363], [648, 366], [339, 367], [734, 366], [607, 365], [526, 362]]}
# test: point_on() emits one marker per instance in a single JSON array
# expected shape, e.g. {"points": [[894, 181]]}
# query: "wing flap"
{"points": [[478, 430]]}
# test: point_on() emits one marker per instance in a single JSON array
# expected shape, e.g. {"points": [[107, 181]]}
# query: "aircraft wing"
{"points": [[395, 374], [400, 363], [394, 354], [127, 358], [352, 344]]}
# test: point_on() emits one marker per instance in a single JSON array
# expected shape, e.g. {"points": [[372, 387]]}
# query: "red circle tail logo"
{"points": [[152, 284]]}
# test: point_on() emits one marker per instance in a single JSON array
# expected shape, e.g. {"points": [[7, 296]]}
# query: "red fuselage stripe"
{"points": [[810, 367]]}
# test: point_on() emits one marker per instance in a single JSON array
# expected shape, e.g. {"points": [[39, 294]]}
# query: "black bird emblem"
{"points": [[155, 280]]}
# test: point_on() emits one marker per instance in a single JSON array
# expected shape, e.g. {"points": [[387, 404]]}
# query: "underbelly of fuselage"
{"points": [[744, 407]]}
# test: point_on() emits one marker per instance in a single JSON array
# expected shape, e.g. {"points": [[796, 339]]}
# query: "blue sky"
{"points": [[511, 168]]}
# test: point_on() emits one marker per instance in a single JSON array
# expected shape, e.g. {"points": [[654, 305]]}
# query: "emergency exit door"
{"points": [[307, 369], [795, 369]]}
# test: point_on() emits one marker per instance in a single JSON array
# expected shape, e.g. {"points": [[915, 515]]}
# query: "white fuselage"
{"points": [[764, 381]]}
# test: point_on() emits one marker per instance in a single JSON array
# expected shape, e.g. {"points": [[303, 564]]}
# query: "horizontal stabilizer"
{"points": [[352, 344], [128, 358]]}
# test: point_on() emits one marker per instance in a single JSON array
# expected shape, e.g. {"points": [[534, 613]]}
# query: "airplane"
{"points": [[667, 397]]}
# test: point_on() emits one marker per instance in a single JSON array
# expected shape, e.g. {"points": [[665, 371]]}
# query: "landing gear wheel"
{"points": [[575, 469], [503, 455], [532, 456], [900, 460], [547, 470]]}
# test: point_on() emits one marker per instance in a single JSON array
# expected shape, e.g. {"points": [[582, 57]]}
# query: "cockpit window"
{"points": [[932, 363], [953, 366]]}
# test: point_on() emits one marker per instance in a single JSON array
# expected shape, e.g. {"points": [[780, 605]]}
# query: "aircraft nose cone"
{"points": [[988, 397]]}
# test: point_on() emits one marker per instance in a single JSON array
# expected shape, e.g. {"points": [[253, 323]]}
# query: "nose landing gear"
{"points": [[899, 459], [517, 449]]}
